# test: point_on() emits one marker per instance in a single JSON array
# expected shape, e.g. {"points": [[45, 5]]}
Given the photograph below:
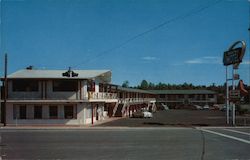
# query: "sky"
{"points": [[169, 41]]}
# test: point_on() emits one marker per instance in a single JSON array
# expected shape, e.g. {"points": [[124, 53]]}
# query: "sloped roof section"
{"points": [[193, 91], [104, 75]]}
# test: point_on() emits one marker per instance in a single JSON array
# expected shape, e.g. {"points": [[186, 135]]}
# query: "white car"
{"points": [[206, 107], [198, 107], [147, 114]]}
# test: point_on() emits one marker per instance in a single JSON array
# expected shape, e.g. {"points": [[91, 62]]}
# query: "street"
{"points": [[126, 143]]}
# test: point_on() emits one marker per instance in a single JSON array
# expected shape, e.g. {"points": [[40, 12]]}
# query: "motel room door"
{"points": [[97, 112]]}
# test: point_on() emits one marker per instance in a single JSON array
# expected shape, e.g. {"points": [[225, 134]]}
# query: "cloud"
{"points": [[205, 60], [246, 62], [149, 58], [194, 61]]}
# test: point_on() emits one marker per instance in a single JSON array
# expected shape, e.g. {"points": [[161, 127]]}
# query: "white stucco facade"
{"points": [[82, 111]]}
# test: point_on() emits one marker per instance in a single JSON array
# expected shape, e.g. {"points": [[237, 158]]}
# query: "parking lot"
{"points": [[181, 118]]}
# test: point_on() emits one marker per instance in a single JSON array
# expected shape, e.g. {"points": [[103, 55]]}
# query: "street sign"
{"points": [[234, 95], [232, 56]]}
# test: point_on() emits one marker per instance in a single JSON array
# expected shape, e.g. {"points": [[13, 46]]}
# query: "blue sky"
{"points": [[93, 34]]}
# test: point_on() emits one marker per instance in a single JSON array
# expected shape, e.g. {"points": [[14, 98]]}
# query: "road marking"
{"points": [[240, 127], [237, 131], [227, 136]]}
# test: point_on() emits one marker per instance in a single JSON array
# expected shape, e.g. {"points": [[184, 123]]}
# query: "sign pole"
{"points": [[233, 104], [233, 57], [227, 96]]}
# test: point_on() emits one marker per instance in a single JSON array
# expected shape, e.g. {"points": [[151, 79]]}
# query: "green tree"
{"points": [[151, 85], [125, 84], [144, 84]]}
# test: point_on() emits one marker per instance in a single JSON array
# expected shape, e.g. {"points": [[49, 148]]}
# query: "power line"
{"points": [[190, 13]]}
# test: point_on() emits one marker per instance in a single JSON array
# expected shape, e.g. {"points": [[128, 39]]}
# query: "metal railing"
{"points": [[136, 100], [102, 95]]}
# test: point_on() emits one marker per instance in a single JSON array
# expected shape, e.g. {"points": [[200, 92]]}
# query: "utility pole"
{"points": [[5, 89]]}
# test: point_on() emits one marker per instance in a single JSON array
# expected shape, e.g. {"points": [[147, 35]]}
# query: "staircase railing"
{"points": [[115, 109]]}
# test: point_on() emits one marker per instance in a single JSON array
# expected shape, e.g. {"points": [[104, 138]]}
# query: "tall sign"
{"points": [[233, 57]]}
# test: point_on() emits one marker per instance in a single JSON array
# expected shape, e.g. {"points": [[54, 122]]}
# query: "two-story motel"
{"points": [[176, 98], [69, 98]]}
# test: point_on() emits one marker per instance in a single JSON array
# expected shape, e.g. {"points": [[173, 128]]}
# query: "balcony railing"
{"points": [[102, 95], [188, 99], [60, 96], [136, 100]]}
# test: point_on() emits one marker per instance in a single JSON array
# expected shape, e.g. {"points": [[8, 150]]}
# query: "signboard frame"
{"points": [[232, 56]]}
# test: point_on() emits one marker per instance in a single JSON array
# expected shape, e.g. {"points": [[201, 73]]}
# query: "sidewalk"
{"points": [[59, 126]]}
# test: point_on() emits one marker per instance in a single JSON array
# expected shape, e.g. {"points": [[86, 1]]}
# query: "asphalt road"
{"points": [[180, 118], [126, 143]]}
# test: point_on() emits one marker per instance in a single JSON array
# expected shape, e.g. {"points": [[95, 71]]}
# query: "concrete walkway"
{"points": [[59, 126]]}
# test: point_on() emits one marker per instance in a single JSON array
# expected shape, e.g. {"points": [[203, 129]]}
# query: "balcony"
{"points": [[102, 95], [61, 96], [137, 100]]}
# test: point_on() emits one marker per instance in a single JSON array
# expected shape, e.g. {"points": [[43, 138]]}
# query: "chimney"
{"points": [[29, 67]]}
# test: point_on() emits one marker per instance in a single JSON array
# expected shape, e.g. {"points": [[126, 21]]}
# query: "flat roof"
{"points": [[191, 91], [57, 74], [134, 90]]}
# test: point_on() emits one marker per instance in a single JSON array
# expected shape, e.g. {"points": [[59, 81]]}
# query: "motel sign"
{"points": [[232, 56]]}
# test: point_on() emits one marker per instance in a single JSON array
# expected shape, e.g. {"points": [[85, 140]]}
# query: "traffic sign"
{"points": [[232, 56]]}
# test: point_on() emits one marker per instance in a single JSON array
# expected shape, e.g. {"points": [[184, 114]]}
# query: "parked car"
{"points": [[147, 114], [138, 114], [206, 107], [214, 107], [224, 108], [198, 107], [142, 114]]}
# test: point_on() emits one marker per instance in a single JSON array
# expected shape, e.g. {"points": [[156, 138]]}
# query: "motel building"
{"points": [[176, 99], [61, 97], [131, 100]]}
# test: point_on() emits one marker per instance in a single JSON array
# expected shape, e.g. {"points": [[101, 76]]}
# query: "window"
{"points": [[162, 96], [191, 96], [24, 85], [53, 112], [181, 96], [203, 97], [69, 112], [91, 86], [101, 87], [106, 107], [120, 95], [210, 96], [113, 89], [22, 112], [38, 112], [65, 85]]}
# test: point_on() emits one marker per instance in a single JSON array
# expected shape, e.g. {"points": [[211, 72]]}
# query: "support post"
{"points": [[92, 114]]}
